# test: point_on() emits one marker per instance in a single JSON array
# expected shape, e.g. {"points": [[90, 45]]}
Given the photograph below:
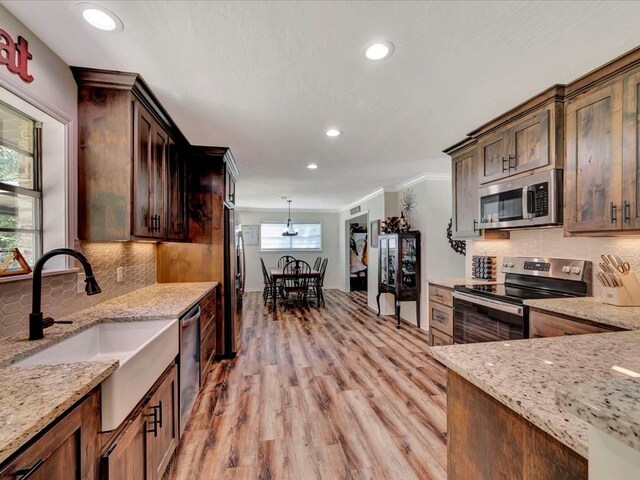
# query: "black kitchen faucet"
{"points": [[36, 322]]}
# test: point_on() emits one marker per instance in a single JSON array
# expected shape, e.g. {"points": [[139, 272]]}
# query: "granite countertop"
{"points": [[33, 397], [525, 374], [611, 407], [453, 281], [591, 308], [159, 301]]}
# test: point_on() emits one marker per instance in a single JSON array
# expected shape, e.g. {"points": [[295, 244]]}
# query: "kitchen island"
{"points": [[502, 411]]}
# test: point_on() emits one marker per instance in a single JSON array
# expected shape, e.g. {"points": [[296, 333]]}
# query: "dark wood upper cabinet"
{"points": [[631, 151], [131, 171], [464, 172], [593, 173], [177, 180], [524, 139]]}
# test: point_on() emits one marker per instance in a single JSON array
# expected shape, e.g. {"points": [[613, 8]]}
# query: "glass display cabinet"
{"points": [[399, 269]]}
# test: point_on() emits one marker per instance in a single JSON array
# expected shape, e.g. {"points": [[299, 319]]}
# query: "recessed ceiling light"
{"points": [[378, 50], [100, 18], [312, 166], [333, 132]]}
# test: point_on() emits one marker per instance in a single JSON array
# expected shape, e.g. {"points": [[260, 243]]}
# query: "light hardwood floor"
{"points": [[334, 393]]}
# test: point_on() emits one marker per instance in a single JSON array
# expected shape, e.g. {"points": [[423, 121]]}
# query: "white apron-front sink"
{"points": [[143, 350]]}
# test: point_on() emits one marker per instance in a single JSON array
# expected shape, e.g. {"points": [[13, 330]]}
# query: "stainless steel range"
{"points": [[487, 313]]}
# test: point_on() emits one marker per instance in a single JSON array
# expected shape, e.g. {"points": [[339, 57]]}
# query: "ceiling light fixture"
{"points": [[100, 18], [378, 50], [312, 166], [290, 230], [333, 132]]}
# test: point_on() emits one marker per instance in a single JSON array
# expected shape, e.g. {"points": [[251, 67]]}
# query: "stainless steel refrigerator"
{"points": [[234, 277]]}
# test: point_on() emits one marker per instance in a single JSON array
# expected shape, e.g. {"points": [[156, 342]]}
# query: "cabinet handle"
{"points": [[568, 334], [154, 428], [160, 414], [27, 472], [515, 161], [612, 212], [505, 160], [627, 210], [475, 226]]}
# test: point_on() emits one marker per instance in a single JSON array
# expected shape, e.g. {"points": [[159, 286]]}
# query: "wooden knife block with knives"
{"points": [[620, 286]]}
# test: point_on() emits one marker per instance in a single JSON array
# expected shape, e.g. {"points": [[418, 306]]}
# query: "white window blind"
{"points": [[309, 237]]}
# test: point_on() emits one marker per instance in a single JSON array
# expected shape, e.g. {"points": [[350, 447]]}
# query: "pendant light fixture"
{"points": [[290, 231]]}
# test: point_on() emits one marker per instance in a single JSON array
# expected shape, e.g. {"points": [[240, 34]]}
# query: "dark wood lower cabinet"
{"points": [[143, 448], [487, 440], [67, 450]]}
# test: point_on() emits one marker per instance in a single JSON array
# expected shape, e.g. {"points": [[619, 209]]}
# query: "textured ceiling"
{"points": [[267, 79]]}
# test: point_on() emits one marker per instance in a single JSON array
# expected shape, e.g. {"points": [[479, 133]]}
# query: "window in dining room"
{"points": [[309, 238]]}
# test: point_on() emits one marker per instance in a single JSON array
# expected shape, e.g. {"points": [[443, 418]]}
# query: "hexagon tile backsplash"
{"points": [[552, 243], [59, 292]]}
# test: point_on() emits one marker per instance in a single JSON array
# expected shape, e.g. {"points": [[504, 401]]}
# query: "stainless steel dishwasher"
{"points": [[189, 363]]}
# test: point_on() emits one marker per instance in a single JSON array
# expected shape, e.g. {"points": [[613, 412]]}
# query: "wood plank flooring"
{"points": [[335, 393]]}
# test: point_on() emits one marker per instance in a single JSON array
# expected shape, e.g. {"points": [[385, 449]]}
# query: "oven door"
{"points": [[478, 320]]}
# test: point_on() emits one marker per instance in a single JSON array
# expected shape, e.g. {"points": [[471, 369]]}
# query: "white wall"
{"points": [[433, 211], [330, 245], [374, 207], [53, 91]]}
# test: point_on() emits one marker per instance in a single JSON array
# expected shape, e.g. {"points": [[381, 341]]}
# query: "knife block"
{"points": [[626, 296]]}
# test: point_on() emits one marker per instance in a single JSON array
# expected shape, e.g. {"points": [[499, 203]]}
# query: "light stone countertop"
{"points": [[453, 281], [155, 302], [591, 308], [32, 397], [525, 374], [612, 407]]}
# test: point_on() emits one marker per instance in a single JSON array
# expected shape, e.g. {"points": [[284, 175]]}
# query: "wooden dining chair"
{"points": [[284, 260], [316, 284], [266, 293], [296, 281], [318, 262]]}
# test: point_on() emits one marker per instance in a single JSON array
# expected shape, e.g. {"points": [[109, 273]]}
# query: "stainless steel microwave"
{"points": [[529, 201]]}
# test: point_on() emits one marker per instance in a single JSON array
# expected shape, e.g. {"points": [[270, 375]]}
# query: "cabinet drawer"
{"points": [[441, 295], [545, 325], [208, 306], [437, 338], [207, 352], [441, 317]]}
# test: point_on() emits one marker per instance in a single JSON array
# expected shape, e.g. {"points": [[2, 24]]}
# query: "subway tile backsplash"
{"points": [[552, 243], [59, 292]]}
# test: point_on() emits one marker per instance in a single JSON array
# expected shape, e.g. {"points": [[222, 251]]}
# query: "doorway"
{"points": [[358, 256]]}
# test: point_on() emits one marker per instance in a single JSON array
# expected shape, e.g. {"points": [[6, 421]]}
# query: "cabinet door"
{"points": [[465, 195], [163, 431], [126, 457], [67, 450], [177, 187], [160, 145], [492, 152], [142, 183], [631, 152], [529, 143], [384, 260], [392, 253], [593, 171]]}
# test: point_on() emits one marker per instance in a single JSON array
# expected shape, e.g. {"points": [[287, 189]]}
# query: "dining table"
{"points": [[278, 274]]}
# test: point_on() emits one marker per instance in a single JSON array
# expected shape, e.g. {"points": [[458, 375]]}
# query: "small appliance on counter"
{"points": [[484, 267], [620, 286]]}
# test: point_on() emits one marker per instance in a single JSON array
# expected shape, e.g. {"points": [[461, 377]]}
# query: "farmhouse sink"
{"points": [[143, 350]]}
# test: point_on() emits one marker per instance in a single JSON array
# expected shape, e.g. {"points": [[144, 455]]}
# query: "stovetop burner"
{"points": [[510, 293]]}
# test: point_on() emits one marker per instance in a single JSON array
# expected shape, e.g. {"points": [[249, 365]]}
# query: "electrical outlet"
{"points": [[120, 274], [81, 284]]}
